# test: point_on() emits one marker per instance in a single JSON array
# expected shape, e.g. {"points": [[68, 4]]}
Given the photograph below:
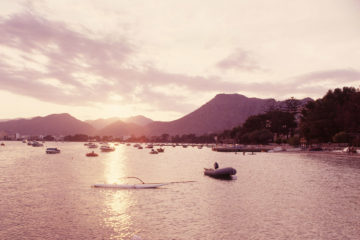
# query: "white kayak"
{"points": [[129, 186]]}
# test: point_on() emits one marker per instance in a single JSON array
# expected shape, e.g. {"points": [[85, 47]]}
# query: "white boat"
{"points": [[107, 148], [278, 149], [129, 186], [92, 145], [141, 185], [52, 150]]}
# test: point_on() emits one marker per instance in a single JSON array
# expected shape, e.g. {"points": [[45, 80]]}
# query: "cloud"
{"points": [[239, 60], [49, 61], [343, 76], [313, 84]]}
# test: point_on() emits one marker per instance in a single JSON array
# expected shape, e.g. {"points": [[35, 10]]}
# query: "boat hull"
{"points": [[129, 186], [92, 155], [222, 173]]}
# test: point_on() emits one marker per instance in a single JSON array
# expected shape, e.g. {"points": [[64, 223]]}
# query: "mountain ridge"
{"points": [[222, 112], [54, 124]]}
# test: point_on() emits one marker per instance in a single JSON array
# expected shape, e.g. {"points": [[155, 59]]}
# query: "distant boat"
{"points": [[52, 150], [227, 148], [92, 145], [107, 148], [221, 173], [153, 151], [37, 144], [160, 150], [92, 154], [2, 144]]}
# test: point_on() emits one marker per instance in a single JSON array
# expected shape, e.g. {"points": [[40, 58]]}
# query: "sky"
{"points": [[165, 58]]}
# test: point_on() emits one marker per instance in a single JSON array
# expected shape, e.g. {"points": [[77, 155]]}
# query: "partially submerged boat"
{"points": [[220, 173], [141, 185], [129, 186]]}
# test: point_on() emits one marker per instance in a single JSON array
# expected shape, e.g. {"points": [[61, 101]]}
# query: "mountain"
{"points": [[103, 122], [54, 124], [120, 128], [139, 120], [225, 111]]}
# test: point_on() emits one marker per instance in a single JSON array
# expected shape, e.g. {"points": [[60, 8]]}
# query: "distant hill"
{"points": [[103, 122], [120, 128], [54, 124], [139, 120], [225, 111]]}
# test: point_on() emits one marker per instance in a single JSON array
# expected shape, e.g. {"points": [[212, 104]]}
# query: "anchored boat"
{"points": [[92, 154], [221, 173], [52, 150]]}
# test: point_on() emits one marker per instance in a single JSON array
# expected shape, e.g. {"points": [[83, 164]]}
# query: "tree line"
{"points": [[333, 118]]}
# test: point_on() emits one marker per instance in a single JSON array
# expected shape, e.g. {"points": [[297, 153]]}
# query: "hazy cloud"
{"points": [[50, 61], [343, 76], [239, 60], [57, 64]]}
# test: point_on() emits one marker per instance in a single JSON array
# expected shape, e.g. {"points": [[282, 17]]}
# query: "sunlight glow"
{"points": [[119, 201]]}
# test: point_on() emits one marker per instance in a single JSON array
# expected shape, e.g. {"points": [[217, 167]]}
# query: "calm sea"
{"points": [[275, 196]]}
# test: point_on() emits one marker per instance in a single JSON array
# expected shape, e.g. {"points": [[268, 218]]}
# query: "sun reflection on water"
{"points": [[118, 202]]}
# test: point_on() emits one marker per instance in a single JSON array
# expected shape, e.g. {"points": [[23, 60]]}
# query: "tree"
{"points": [[341, 137], [338, 111], [291, 105], [49, 138]]}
